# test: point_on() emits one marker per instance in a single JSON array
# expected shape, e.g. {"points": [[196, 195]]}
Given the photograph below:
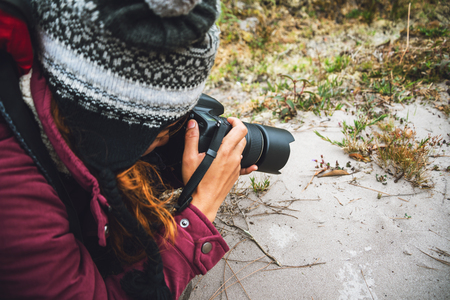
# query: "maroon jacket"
{"points": [[41, 259]]}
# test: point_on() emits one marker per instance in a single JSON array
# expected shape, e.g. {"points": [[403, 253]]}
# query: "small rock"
{"points": [[447, 82]]}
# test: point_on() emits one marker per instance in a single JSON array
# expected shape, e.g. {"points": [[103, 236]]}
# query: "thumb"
{"points": [[191, 138]]}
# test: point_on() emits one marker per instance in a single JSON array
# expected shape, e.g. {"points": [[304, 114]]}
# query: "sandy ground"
{"points": [[365, 239]]}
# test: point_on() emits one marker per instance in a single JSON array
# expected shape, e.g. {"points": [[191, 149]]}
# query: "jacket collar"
{"points": [[42, 100]]}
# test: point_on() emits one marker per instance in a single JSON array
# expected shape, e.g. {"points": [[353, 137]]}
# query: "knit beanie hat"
{"points": [[120, 72]]}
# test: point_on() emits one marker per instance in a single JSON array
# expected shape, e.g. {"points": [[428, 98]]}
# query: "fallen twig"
{"points": [[243, 214], [315, 263], [339, 201], [254, 240], [226, 261], [441, 252], [294, 200], [273, 213], [377, 191], [315, 174], [439, 234], [366, 283], [426, 267], [216, 293], [298, 267], [353, 200], [240, 283], [407, 34], [435, 258], [275, 208], [286, 207]]}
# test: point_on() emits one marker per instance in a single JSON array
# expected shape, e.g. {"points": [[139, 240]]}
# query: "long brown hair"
{"points": [[140, 186]]}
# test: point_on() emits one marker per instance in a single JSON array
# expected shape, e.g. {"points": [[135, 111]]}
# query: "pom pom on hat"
{"points": [[171, 8], [142, 25]]}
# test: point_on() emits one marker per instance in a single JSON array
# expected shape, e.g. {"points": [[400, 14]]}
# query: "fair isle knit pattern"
{"points": [[172, 8], [120, 73], [136, 86]]}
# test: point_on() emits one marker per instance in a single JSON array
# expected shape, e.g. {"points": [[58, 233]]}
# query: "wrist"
{"points": [[206, 207]]}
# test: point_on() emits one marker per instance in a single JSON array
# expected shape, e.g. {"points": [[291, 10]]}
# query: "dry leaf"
{"points": [[379, 146], [359, 157], [334, 173], [318, 172], [386, 98]]}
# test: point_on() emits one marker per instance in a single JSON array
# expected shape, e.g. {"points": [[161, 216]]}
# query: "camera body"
{"points": [[206, 113], [267, 147]]}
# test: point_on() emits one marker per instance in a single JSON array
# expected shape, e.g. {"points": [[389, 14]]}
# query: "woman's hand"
{"points": [[224, 170]]}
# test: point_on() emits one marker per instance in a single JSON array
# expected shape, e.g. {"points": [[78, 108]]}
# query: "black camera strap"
{"points": [[186, 196]]}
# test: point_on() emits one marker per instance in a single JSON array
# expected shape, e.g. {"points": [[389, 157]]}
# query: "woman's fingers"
{"points": [[191, 157], [223, 172], [236, 134], [246, 171], [191, 138]]}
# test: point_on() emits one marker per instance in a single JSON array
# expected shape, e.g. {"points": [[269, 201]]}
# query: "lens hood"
{"points": [[276, 149]]}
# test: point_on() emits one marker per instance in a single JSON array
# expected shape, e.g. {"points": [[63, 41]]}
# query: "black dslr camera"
{"points": [[267, 147]]}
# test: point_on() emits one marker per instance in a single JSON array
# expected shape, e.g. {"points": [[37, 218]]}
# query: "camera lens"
{"points": [[267, 147], [255, 146]]}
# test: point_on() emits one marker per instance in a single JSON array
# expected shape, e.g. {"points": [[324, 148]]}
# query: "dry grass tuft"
{"points": [[400, 154]]}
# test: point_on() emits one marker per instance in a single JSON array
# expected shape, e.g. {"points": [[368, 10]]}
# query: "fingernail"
{"points": [[191, 124]]}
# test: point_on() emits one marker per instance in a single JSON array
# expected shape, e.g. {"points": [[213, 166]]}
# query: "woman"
{"points": [[110, 81]]}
